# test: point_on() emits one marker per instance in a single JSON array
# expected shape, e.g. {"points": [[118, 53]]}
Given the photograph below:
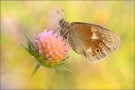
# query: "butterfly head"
{"points": [[63, 23]]}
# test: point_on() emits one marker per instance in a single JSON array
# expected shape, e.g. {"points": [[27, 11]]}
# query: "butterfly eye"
{"points": [[100, 44], [60, 20], [97, 50]]}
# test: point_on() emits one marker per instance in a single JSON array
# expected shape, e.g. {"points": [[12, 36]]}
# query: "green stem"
{"points": [[33, 72]]}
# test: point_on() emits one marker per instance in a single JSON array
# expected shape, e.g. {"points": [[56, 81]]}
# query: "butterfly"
{"points": [[92, 41]]}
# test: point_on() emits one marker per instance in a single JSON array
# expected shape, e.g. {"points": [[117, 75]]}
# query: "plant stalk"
{"points": [[36, 67]]}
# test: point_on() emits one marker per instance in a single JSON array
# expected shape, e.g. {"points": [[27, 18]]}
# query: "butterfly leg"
{"points": [[56, 30]]}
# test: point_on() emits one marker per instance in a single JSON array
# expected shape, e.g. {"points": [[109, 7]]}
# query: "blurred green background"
{"points": [[114, 72]]}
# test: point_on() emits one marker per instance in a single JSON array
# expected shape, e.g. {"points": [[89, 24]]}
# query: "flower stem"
{"points": [[33, 72]]}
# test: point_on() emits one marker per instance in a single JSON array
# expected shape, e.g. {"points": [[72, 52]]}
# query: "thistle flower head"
{"points": [[48, 49], [51, 47]]}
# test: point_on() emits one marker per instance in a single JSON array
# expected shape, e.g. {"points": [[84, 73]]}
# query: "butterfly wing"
{"points": [[93, 41]]}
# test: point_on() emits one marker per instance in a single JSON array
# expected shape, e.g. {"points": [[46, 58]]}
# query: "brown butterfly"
{"points": [[90, 40]]}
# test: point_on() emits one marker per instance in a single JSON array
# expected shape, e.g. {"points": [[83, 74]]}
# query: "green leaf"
{"points": [[25, 48], [30, 44], [34, 58], [32, 51]]}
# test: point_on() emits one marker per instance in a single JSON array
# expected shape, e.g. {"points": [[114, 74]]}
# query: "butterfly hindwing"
{"points": [[98, 38], [90, 40], [106, 41]]}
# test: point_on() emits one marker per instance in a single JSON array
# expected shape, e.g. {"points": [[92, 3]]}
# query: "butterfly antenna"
{"points": [[64, 13], [60, 14]]}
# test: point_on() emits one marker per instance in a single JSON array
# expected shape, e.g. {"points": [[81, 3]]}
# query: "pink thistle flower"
{"points": [[50, 47]]}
